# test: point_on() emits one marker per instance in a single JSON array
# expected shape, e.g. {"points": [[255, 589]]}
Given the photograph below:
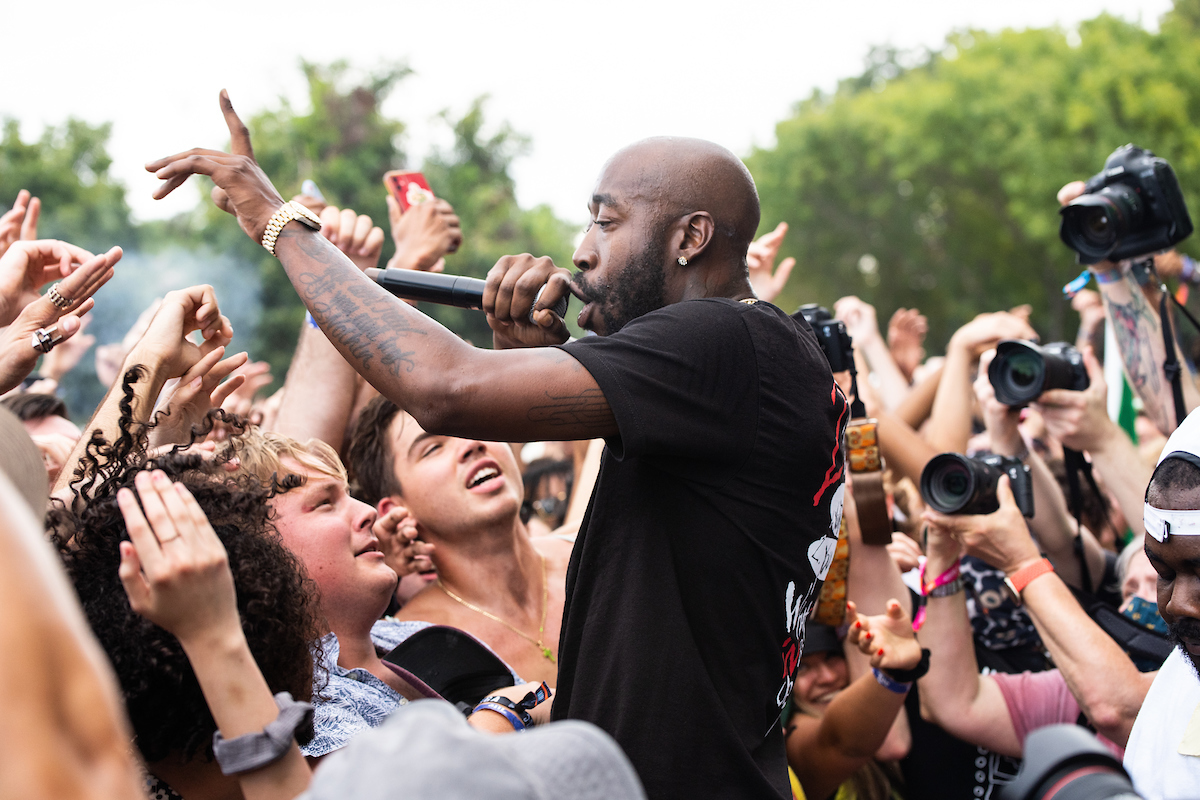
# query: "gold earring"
{"points": [[682, 261]]}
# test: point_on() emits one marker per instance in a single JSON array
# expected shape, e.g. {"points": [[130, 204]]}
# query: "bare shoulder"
{"points": [[557, 551]]}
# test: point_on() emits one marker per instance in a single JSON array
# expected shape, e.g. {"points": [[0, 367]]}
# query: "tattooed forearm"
{"points": [[1138, 331], [364, 323]]}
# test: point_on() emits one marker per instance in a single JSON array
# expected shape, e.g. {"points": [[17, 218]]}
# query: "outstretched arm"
{"points": [[954, 695], [1106, 684], [164, 352], [1138, 330], [321, 385], [826, 752], [449, 386]]}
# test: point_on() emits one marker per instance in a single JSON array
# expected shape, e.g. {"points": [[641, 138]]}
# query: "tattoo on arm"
{"points": [[365, 322], [1139, 338], [588, 409]]}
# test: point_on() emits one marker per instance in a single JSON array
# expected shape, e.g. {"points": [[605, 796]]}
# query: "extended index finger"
{"points": [[239, 134]]}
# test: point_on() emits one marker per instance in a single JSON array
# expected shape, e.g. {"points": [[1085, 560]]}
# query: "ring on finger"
{"points": [[55, 297], [44, 339], [169, 539]]}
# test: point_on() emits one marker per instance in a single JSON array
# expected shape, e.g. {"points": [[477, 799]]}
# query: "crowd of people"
{"points": [[677, 557]]}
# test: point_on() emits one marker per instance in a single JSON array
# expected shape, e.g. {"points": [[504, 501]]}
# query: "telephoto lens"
{"points": [[1065, 762], [954, 484], [1022, 370], [1095, 223]]}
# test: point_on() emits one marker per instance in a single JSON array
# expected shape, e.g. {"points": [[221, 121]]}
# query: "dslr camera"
{"points": [[1132, 208], [831, 335], [1066, 762], [954, 484], [1022, 370]]}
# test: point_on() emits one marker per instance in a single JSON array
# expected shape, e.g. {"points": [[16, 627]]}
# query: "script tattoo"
{"points": [[588, 409], [366, 323]]}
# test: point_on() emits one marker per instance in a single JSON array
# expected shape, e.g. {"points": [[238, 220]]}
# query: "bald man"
{"points": [[717, 507]]}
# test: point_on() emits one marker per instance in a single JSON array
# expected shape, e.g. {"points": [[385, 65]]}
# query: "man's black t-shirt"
{"points": [[711, 527]]}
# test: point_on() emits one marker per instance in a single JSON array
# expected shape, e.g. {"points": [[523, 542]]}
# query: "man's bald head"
{"points": [[681, 176]]}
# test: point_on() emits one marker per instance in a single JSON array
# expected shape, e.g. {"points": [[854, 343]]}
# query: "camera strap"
{"points": [[1075, 465], [1171, 366]]}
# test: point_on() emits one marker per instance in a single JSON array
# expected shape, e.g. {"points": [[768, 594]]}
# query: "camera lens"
{"points": [[947, 482], [1093, 224], [1017, 373]]}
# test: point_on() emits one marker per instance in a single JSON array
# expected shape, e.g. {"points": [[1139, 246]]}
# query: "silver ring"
{"points": [[44, 339], [54, 296]]}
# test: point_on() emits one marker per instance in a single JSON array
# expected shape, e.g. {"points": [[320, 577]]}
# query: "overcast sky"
{"points": [[581, 79]]}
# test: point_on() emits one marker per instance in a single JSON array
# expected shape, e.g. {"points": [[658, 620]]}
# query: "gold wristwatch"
{"points": [[289, 211]]}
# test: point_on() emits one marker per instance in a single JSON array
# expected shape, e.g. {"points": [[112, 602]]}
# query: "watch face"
{"points": [[307, 216]]}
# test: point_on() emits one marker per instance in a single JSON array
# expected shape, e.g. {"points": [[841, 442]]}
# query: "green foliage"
{"points": [[473, 176], [943, 169], [68, 169]]}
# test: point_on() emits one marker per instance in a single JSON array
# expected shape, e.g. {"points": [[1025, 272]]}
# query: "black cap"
{"points": [[820, 638]]}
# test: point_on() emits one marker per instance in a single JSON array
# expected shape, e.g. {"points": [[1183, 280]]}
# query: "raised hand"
{"points": [[987, 330], [423, 234], [167, 340], [906, 337], [66, 356], [402, 550], [767, 280], [904, 551], [255, 375], [1000, 420], [1080, 419], [512, 286], [354, 234], [174, 568], [859, 317], [17, 354], [887, 639], [199, 390], [20, 222], [242, 188], [27, 266], [1001, 538], [110, 357]]}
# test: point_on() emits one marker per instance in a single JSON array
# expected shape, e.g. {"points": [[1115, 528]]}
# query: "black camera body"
{"points": [[954, 484], [831, 335], [1022, 370], [1134, 207]]}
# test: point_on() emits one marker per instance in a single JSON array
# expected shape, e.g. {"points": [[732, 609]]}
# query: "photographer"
{"points": [[995, 711], [1132, 303]]}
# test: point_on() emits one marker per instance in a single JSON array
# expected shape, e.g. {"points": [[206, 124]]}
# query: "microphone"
{"points": [[445, 290]]}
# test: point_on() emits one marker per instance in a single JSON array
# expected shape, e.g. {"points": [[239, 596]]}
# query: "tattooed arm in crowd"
{"points": [[1138, 330], [450, 387]]}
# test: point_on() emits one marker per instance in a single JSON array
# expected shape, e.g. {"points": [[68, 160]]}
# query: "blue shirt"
{"points": [[353, 700]]}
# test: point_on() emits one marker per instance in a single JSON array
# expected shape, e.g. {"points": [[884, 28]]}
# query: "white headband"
{"points": [[1159, 523]]}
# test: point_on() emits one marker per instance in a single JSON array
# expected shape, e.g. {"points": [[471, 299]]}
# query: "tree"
{"points": [[930, 180], [68, 169]]}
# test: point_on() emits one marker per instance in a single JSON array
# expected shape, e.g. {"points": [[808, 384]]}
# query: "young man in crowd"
{"points": [[464, 497], [723, 427], [1163, 754]]}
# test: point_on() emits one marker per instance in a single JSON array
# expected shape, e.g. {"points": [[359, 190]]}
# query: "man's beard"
{"points": [[635, 290], [1189, 629]]}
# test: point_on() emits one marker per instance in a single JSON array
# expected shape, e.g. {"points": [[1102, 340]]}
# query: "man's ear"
{"points": [[386, 504], [696, 234]]}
